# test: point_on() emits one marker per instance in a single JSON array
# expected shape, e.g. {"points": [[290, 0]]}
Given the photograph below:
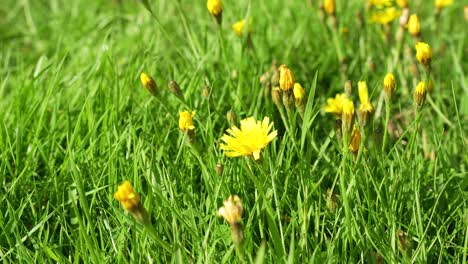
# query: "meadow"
{"points": [[156, 131]]}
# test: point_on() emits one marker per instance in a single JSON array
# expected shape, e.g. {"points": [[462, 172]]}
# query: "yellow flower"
{"points": [[442, 3], [250, 139], [380, 3], [385, 15], [298, 92], [347, 116], [365, 108], [186, 121], [423, 53], [389, 84], [402, 3], [215, 7], [127, 197], [329, 6], [231, 210], [420, 94], [355, 139], [413, 25], [148, 83], [286, 80], [335, 105], [238, 27]]}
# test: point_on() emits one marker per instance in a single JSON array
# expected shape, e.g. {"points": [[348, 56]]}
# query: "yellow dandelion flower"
{"points": [[215, 7], [420, 94], [148, 83], [347, 116], [355, 139], [299, 92], [385, 15], [231, 210], [238, 27], [335, 105], [329, 6], [402, 3], [389, 84], [250, 139], [186, 120], [286, 80], [423, 53], [127, 197], [443, 3], [413, 25]]}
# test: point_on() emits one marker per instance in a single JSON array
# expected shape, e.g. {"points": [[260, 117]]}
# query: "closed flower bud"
{"points": [[348, 88], [413, 25], [276, 96], [206, 91], [299, 93], [286, 80], [329, 6], [238, 27], [420, 94], [215, 8], [402, 3], [231, 117], [389, 85], [219, 169], [130, 200], [355, 139], [365, 108], [423, 53], [148, 83], [347, 116], [175, 89]]}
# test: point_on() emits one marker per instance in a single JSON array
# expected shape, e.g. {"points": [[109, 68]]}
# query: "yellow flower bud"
{"points": [[439, 4], [423, 53], [420, 94], [231, 210], [148, 83], [347, 116], [299, 92], [329, 6], [402, 3], [127, 196], [175, 89], [286, 80], [238, 27], [355, 139], [186, 121], [215, 8], [413, 25], [389, 84]]}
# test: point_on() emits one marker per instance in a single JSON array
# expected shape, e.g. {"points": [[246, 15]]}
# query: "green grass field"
{"points": [[77, 122]]}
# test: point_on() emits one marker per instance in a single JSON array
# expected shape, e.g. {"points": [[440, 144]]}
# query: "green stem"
{"points": [[387, 120], [343, 187]]}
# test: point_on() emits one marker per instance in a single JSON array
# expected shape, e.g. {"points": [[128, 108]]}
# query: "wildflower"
{"points": [[148, 83], [365, 108], [231, 117], [329, 6], [347, 116], [423, 53], [380, 3], [335, 105], [420, 94], [219, 169], [348, 88], [413, 25], [402, 3], [186, 121], [276, 97], [385, 15], [299, 93], [175, 89], [286, 80], [389, 85], [250, 139], [130, 200], [238, 27], [355, 139], [215, 8], [443, 3], [232, 211]]}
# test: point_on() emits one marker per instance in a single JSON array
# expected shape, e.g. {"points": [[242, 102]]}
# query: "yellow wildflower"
{"points": [[299, 92], [355, 139], [186, 121], [238, 27], [231, 210], [413, 25], [442, 3], [365, 108], [402, 3], [420, 94], [329, 6], [385, 15], [335, 105], [215, 7], [423, 53], [250, 139], [389, 85], [286, 80], [148, 83], [127, 197], [380, 3], [347, 116]]}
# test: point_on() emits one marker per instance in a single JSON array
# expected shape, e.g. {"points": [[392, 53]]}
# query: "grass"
{"points": [[76, 123]]}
